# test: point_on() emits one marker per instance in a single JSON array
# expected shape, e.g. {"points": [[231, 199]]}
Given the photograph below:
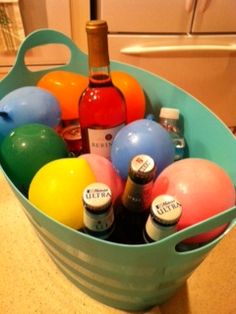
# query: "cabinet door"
{"points": [[215, 16], [149, 16]]}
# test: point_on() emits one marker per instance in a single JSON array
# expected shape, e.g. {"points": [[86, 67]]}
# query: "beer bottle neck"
{"points": [[137, 197]]}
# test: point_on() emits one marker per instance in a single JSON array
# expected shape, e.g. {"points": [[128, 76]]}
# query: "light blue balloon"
{"points": [[142, 137], [28, 104]]}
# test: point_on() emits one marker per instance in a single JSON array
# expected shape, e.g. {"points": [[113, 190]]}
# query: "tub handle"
{"points": [[44, 37], [77, 61], [226, 217]]}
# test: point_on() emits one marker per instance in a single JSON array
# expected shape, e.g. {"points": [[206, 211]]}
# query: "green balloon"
{"points": [[26, 149]]}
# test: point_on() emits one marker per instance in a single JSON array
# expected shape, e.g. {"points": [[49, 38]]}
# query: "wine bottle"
{"points": [[102, 109], [131, 209], [164, 215], [98, 211]]}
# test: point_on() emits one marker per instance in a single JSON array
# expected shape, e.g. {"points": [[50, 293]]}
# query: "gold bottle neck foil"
{"points": [[97, 43]]}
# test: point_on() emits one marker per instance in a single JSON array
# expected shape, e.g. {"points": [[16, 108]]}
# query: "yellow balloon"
{"points": [[57, 188]]}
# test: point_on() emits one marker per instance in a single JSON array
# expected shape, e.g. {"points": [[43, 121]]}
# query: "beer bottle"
{"points": [[98, 211], [164, 214], [131, 209]]}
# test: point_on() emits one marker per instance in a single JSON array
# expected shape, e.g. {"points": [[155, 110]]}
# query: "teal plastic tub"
{"points": [[130, 277]]}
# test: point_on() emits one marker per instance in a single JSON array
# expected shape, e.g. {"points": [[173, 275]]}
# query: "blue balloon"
{"points": [[28, 104], [142, 137]]}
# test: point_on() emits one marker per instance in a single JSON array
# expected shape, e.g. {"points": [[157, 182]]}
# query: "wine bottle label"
{"points": [[100, 140], [156, 231], [98, 222], [137, 197]]}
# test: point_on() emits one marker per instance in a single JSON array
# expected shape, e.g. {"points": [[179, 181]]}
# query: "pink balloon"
{"points": [[105, 173], [203, 188]]}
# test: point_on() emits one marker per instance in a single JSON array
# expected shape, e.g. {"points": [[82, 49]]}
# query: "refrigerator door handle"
{"points": [[139, 50]]}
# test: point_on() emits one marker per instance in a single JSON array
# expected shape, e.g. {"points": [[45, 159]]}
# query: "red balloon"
{"points": [[202, 187]]}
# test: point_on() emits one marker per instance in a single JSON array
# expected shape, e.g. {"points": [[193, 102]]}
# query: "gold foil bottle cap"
{"points": [[97, 197], [96, 25], [166, 209]]}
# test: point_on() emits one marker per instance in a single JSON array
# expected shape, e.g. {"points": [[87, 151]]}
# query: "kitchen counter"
{"points": [[31, 282]]}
